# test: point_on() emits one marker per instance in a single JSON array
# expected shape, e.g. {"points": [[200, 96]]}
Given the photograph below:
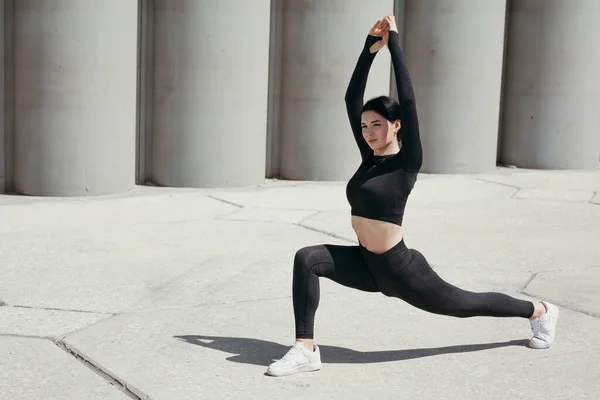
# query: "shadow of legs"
{"points": [[261, 352]]}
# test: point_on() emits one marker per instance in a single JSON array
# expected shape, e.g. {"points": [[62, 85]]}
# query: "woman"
{"points": [[378, 192]]}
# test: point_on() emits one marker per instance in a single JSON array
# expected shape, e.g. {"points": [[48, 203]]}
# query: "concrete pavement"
{"points": [[172, 294]]}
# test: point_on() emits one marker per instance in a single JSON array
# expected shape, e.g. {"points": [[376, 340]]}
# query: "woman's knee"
{"points": [[308, 257]]}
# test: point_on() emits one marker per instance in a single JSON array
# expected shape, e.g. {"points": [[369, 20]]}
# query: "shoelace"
{"points": [[291, 353], [537, 326]]}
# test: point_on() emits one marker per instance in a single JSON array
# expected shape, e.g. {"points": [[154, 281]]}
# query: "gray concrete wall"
{"points": [[75, 96], [454, 51], [321, 44], [552, 94], [211, 73], [223, 93]]}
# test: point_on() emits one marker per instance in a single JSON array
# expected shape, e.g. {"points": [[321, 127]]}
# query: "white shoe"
{"points": [[297, 359], [544, 328]]}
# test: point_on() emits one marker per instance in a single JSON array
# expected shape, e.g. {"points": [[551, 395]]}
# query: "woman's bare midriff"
{"points": [[376, 236]]}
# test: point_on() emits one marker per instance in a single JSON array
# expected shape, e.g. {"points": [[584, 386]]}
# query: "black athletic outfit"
{"points": [[379, 190]]}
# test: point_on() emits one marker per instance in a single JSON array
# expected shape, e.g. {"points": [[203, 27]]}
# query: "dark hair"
{"points": [[385, 106]]}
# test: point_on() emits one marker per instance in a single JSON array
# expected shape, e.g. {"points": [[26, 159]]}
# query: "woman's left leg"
{"points": [[421, 286], [409, 276]]}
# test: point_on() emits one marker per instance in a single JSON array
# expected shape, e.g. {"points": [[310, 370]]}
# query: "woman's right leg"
{"points": [[341, 264]]}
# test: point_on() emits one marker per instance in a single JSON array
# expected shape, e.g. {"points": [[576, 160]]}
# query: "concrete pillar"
{"points": [[399, 7], [552, 91], [273, 147], [321, 44], [75, 96], [2, 105], [454, 51], [210, 90]]}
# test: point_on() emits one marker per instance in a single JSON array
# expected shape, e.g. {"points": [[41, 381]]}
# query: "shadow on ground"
{"points": [[261, 352]]}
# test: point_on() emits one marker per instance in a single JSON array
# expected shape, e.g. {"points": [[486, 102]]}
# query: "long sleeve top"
{"points": [[380, 187]]}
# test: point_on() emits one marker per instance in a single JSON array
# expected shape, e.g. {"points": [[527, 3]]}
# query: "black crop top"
{"points": [[380, 187]]}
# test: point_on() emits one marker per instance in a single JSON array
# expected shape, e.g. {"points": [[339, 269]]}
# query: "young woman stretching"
{"points": [[377, 193]]}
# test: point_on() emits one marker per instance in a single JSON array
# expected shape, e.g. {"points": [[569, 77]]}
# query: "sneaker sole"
{"points": [[540, 346], [297, 370]]}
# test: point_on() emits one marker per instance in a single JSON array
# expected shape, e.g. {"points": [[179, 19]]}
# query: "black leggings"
{"points": [[399, 272]]}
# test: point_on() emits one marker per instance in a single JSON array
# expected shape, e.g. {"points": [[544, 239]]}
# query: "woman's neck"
{"points": [[392, 148]]}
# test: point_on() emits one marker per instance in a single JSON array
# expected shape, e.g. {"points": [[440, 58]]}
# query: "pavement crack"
{"points": [[231, 203], [61, 336], [61, 309], [16, 335], [517, 188], [512, 196], [299, 223], [77, 330], [531, 278], [325, 233], [98, 370], [560, 304], [523, 290]]}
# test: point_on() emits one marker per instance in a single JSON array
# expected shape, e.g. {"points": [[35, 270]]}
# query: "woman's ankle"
{"points": [[539, 310], [308, 343]]}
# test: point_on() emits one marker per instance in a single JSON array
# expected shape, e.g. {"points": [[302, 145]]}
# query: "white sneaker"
{"points": [[544, 328], [297, 359]]}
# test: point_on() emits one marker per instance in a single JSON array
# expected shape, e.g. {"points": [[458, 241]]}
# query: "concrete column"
{"points": [[211, 73], [454, 51], [552, 92], [7, 95], [75, 96], [2, 104], [321, 44], [399, 6], [273, 148]]}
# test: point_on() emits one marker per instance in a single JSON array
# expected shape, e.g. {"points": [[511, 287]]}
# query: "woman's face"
{"points": [[377, 131]]}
